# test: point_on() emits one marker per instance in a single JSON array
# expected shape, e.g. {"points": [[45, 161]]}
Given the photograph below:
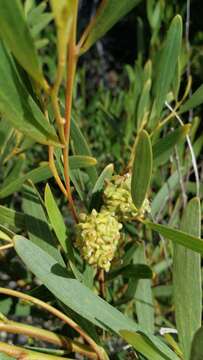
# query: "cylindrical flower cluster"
{"points": [[118, 200], [98, 236]]}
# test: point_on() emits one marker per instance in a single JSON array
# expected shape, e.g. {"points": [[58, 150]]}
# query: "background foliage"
{"points": [[137, 106]]}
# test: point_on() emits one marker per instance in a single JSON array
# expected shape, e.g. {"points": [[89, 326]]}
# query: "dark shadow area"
{"points": [[59, 270]]}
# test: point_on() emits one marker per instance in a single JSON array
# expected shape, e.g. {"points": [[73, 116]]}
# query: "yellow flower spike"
{"points": [[97, 239], [118, 200]]}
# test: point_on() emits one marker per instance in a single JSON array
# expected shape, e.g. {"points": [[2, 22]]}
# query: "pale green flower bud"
{"points": [[118, 200], [97, 239]]}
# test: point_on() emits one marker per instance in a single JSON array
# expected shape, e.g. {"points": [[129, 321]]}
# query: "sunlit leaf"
{"points": [[143, 106], [55, 217], [163, 148], [42, 173], [37, 225], [17, 105], [195, 100], [142, 345], [16, 170], [37, 175], [187, 292], [11, 217], [63, 15], [162, 195], [70, 292], [60, 229], [143, 295], [105, 175], [142, 169], [178, 236], [15, 32], [81, 161], [81, 147], [166, 66], [5, 132]]}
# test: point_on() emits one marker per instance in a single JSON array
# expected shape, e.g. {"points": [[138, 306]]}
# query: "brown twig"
{"points": [[48, 336], [55, 91], [5, 247], [71, 69], [23, 354], [99, 351], [54, 171]]}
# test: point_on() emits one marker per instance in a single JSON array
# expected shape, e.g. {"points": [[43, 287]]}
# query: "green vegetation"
{"points": [[100, 188]]}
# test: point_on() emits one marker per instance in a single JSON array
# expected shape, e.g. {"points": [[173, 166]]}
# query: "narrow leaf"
{"points": [[178, 236], [15, 32], [195, 100], [162, 149], [135, 271], [5, 132], [60, 229], [162, 291], [197, 346], [163, 194], [55, 217], [142, 169], [142, 345], [63, 16], [96, 197], [143, 295], [37, 175], [187, 292], [37, 225], [143, 105], [81, 161], [106, 174], [108, 13], [16, 170], [11, 217], [17, 105], [167, 64], [71, 291], [81, 147]]}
